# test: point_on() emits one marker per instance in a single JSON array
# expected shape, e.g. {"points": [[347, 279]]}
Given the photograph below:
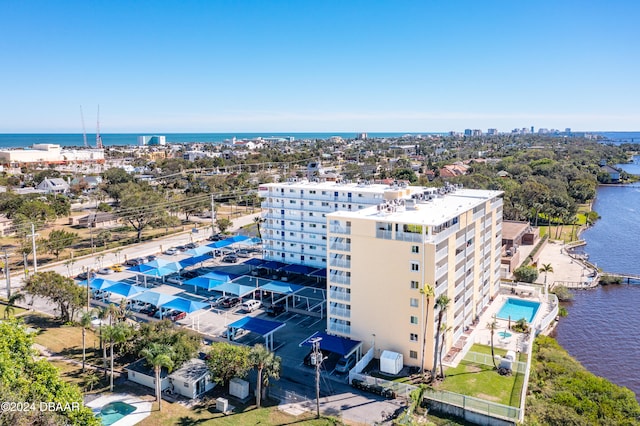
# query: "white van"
{"points": [[251, 305]]}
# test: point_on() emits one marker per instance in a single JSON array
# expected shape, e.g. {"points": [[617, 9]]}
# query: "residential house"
{"points": [[53, 186]]}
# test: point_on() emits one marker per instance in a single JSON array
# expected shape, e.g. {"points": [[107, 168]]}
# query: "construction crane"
{"points": [[98, 137], [84, 131]]}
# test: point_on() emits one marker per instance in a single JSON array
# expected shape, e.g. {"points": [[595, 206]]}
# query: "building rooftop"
{"points": [[436, 211], [329, 186]]}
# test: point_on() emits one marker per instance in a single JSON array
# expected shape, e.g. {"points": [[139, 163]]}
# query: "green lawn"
{"points": [[482, 381]]}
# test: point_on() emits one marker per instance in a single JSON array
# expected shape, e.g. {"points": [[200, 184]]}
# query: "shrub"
{"points": [[527, 274]]}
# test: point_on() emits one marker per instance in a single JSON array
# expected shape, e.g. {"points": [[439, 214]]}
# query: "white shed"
{"points": [[391, 362]]}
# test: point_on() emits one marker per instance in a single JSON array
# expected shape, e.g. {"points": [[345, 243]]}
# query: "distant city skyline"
{"points": [[330, 66]]}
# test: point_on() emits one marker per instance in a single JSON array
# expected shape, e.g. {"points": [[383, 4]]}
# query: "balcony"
{"points": [[337, 229], [442, 253], [340, 312], [386, 235], [339, 279], [409, 236], [341, 263], [340, 295], [341, 246], [340, 328]]}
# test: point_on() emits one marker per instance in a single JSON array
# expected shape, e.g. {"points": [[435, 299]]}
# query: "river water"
{"points": [[602, 330]]}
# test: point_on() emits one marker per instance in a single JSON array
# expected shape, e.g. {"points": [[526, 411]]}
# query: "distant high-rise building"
{"points": [[152, 140], [476, 132], [361, 136], [567, 130], [468, 132], [532, 130], [492, 132]]}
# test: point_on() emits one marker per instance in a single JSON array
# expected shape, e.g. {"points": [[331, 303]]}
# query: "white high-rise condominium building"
{"points": [[379, 259], [295, 227]]}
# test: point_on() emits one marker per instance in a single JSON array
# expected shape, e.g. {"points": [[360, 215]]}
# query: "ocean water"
{"points": [[22, 140], [601, 330]]}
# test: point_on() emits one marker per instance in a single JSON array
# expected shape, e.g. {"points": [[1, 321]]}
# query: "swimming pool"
{"points": [[114, 411], [516, 309], [504, 334]]}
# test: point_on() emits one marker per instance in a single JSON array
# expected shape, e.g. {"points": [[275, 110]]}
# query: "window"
{"points": [[415, 285], [413, 302], [413, 337], [415, 249], [413, 354], [415, 266], [414, 319]]}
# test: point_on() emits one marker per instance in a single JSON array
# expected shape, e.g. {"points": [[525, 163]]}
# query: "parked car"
{"points": [[345, 364], [171, 251], [238, 333], [134, 262], [181, 248], [117, 268], [243, 253], [275, 310], [230, 302], [151, 258], [83, 275], [175, 279], [177, 316], [216, 237], [191, 245], [251, 305], [230, 258], [105, 271], [217, 301]]}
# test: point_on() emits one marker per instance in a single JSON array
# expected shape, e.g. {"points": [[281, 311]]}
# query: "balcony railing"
{"points": [[387, 235], [341, 263], [341, 246], [337, 229], [340, 295], [340, 328], [340, 312], [409, 236], [339, 279]]}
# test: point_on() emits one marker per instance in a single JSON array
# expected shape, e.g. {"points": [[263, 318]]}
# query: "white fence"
{"points": [[486, 359]]}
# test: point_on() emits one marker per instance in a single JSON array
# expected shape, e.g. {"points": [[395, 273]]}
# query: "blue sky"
{"points": [[295, 66]]}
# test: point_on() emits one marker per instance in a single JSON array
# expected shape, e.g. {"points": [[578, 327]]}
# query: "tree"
{"points": [[184, 343], [427, 293], [58, 240], [116, 334], [85, 322], [90, 380], [492, 326], [267, 363], [158, 356], [10, 308], [442, 303], [59, 289], [226, 361], [545, 269], [223, 224], [527, 274], [258, 220], [140, 206], [105, 314]]}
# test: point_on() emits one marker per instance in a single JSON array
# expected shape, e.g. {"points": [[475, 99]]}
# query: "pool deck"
{"points": [[143, 408]]}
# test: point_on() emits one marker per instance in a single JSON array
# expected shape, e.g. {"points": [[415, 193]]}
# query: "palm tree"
{"points": [[85, 322], [442, 302], [91, 380], [108, 312], [118, 333], [11, 304], [427, 293], [546, 268], [443, 331], [258, 220], [493, 326], [264, 361], [159, 355]]}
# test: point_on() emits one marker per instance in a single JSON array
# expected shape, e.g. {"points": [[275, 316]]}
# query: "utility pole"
{"points": [[317, 358], [33, 247], [7, 273], [88, 289], [213, 215]]}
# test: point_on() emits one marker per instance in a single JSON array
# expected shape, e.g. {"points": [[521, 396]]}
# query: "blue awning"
{"points": [[236, 289], [220, 244], [257, 325], [238, 239], [299, 269], [206, 283], [322, 273], [254, 261], [184, 305], [190, 261], [156, 299], [126, 290], [274, 264], [340, 345], [98, 283], [280, 287], [199, 251]]}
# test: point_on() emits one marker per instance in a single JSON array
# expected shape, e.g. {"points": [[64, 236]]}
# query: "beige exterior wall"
{"points": [[460, 260]]}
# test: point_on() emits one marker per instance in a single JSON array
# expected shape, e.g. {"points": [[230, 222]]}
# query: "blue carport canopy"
{"points": [[190, 261], [202, 282], [126, 290], [233, 288], [98, 283], [184, 305], [199, 251], [238, 239], [263, 327], [220, 276], [298, 269], [220, 244], [280, 287], [254, 261], [154, 298], [340, 345], [274, 264], [322, 273]]}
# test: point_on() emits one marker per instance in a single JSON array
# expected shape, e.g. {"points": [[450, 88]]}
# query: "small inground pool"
{"points": [[504, 334], [516, 309], [114, 411]]}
